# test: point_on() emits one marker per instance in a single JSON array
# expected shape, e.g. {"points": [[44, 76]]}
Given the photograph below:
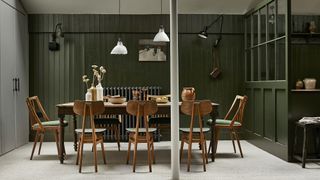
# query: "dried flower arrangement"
{"points": [[97, 74]]}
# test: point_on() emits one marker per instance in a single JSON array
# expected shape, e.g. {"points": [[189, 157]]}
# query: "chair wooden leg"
{"points": [[81, 153], [128, 153], [78, 152], [181, 149], [232, 139], [205, 150], [103, 153], [149, 156], [117, 135], [217, 131], [189, 154], [203, 156], [95, 155], [153, 156], [41, 140], [135, 155], [34, 144], [237, 137]]}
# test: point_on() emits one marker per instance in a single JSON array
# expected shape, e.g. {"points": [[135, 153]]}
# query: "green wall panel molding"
{"points": [[57, 76]]}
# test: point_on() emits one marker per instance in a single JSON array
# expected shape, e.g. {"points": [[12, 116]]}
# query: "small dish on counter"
{"points": [[116, 99], [160, 99]]}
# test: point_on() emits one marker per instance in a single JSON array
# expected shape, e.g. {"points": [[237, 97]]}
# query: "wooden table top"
{"points": [[108, 104]]}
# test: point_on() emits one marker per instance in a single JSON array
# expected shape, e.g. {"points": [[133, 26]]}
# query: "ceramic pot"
{"points": [[312, 27], [188, 93], [310, 83], [299, 84]]}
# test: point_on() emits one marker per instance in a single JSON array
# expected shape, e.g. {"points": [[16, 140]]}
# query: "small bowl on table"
{"points": [[117, 99], [161, 99]]}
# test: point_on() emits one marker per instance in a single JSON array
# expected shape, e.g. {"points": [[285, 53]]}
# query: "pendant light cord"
{"points": [[161, 13], [119, 18], [161, 7]]}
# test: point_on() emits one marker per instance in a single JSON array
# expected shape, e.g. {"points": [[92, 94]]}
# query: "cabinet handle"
{"points": [[14, 84], [18, 89]]}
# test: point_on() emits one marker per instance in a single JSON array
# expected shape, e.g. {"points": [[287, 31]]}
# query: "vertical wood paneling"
{"points": [[269, 117], [282, 122], [89, 39], [258, 112]]}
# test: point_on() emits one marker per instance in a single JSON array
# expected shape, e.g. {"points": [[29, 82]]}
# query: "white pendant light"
{"points": [[161, 36], [119, 48]]}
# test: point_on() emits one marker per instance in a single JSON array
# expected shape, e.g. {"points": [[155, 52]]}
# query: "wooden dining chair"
{"points": [[110, 123], [159, 121], [138, 134], [233, 124], [192, 134], [89, 135], [41, 123]]}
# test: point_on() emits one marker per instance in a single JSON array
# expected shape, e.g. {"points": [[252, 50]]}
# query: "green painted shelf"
{"points": [[305, 90]]}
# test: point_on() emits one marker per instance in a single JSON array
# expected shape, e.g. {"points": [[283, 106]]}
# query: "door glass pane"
{"points": [[271, 60], [271, 20], [255, 64], [262, 51], [255, 28], [248, 30], [248, 65], [281, 17], [280, 60], [263, 18]]}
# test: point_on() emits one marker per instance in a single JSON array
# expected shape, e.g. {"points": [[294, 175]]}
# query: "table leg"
{"points": [[61, 139], [75, 138], [304, 150], [213, 114], [295, 139], [213, 143]]}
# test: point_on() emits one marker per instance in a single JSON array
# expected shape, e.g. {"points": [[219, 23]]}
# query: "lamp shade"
{"points": [[203, 34], [119, 48], [161, 36]]}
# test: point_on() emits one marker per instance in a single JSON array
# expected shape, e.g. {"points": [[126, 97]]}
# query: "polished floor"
{"points": [[256, 164]]}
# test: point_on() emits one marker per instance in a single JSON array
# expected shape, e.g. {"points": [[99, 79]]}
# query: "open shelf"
{"points": [[305, 35], [305, 90]]}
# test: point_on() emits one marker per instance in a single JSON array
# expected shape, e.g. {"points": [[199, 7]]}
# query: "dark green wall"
{"points": [[56, 76], [304, 64]]}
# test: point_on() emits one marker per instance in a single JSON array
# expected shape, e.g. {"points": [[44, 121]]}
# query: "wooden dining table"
{"points": [[115, 109]]}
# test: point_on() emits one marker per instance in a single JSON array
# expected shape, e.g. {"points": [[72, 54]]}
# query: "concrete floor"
{"points": [[256, 164]]}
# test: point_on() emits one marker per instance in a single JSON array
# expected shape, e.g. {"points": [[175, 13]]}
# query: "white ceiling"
{"points": [[135, 6], [154, 6]]}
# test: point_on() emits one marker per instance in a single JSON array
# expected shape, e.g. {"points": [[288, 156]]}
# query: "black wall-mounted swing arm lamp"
{"points": [[204, 34], [53, 45]]}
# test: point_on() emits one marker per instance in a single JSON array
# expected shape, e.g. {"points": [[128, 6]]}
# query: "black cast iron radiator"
{"points": [[127, 120]]}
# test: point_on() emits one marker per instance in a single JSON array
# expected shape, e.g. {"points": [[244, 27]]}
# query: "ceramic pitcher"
{"points": [[188, 93]]}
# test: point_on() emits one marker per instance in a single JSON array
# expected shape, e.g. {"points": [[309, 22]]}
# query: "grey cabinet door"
{"points": [[0, 81], [8, 61], [22, 64]]}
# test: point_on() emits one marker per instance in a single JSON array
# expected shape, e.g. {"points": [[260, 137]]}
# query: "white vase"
{"points": [[99, 92], [88, 95]]}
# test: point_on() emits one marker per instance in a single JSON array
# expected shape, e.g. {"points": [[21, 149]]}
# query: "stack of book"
{"points": [[310, 120]]}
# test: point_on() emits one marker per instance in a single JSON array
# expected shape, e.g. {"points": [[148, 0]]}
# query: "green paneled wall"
{"points": [[305, 64], [56, 76]]}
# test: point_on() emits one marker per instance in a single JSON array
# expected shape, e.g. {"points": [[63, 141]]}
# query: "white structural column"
{"points": [[174, 89]]}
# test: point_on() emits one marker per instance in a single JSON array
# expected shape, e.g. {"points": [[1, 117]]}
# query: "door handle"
{"points": [[18, 89], [14, 84]]}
